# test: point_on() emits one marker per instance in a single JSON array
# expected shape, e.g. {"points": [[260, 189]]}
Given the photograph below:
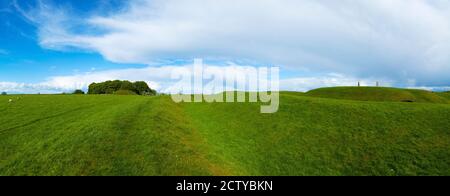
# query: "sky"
{"points": [[53, 46]]}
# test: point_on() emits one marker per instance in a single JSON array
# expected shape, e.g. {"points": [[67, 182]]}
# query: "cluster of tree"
{"points": [[78, 92], [4, 93], [112, 87]]}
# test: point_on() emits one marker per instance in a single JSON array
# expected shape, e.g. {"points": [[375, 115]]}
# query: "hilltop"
{"points": [[378, 94]]}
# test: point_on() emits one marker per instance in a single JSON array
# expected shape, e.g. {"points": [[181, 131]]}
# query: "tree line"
{"points": [[121, 87]]}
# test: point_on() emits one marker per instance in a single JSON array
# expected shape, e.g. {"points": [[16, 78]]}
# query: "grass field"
{"points": [[137, 135]]}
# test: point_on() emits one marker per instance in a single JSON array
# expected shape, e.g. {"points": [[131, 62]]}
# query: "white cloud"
{"points": [[403, 39], [29, 88], [432, 88]]}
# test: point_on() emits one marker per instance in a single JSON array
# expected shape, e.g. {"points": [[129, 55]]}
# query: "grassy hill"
{"points": [[445, 95], [136, 135], [378, 94]]}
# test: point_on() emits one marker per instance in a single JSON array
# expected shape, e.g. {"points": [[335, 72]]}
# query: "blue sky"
{"points": [[22, 59], [52, 46]]}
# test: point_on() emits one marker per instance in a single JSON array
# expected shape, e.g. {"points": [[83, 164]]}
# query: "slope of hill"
{"points": [[445, 95], [310, 136], [378, 94], [134, 135]]}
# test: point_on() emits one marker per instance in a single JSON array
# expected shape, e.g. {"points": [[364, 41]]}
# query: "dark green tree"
{"points": [[143, 89], [78, 92], [127, 85], [93, 88], [111, 87]]}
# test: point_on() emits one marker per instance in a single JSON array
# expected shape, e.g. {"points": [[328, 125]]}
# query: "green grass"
{"points": [[378, 94], [96, 135], [445, 95], [137, 135]]}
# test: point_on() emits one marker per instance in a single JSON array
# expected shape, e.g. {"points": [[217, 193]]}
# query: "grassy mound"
{"points": [[378, 94], [137, 135], [445, 95]]}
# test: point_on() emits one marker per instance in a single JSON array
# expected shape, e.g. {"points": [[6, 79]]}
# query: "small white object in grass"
{"points": [[10, 100]]}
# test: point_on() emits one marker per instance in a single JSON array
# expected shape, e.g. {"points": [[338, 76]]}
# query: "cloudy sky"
{"points": [[52, 46]]}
